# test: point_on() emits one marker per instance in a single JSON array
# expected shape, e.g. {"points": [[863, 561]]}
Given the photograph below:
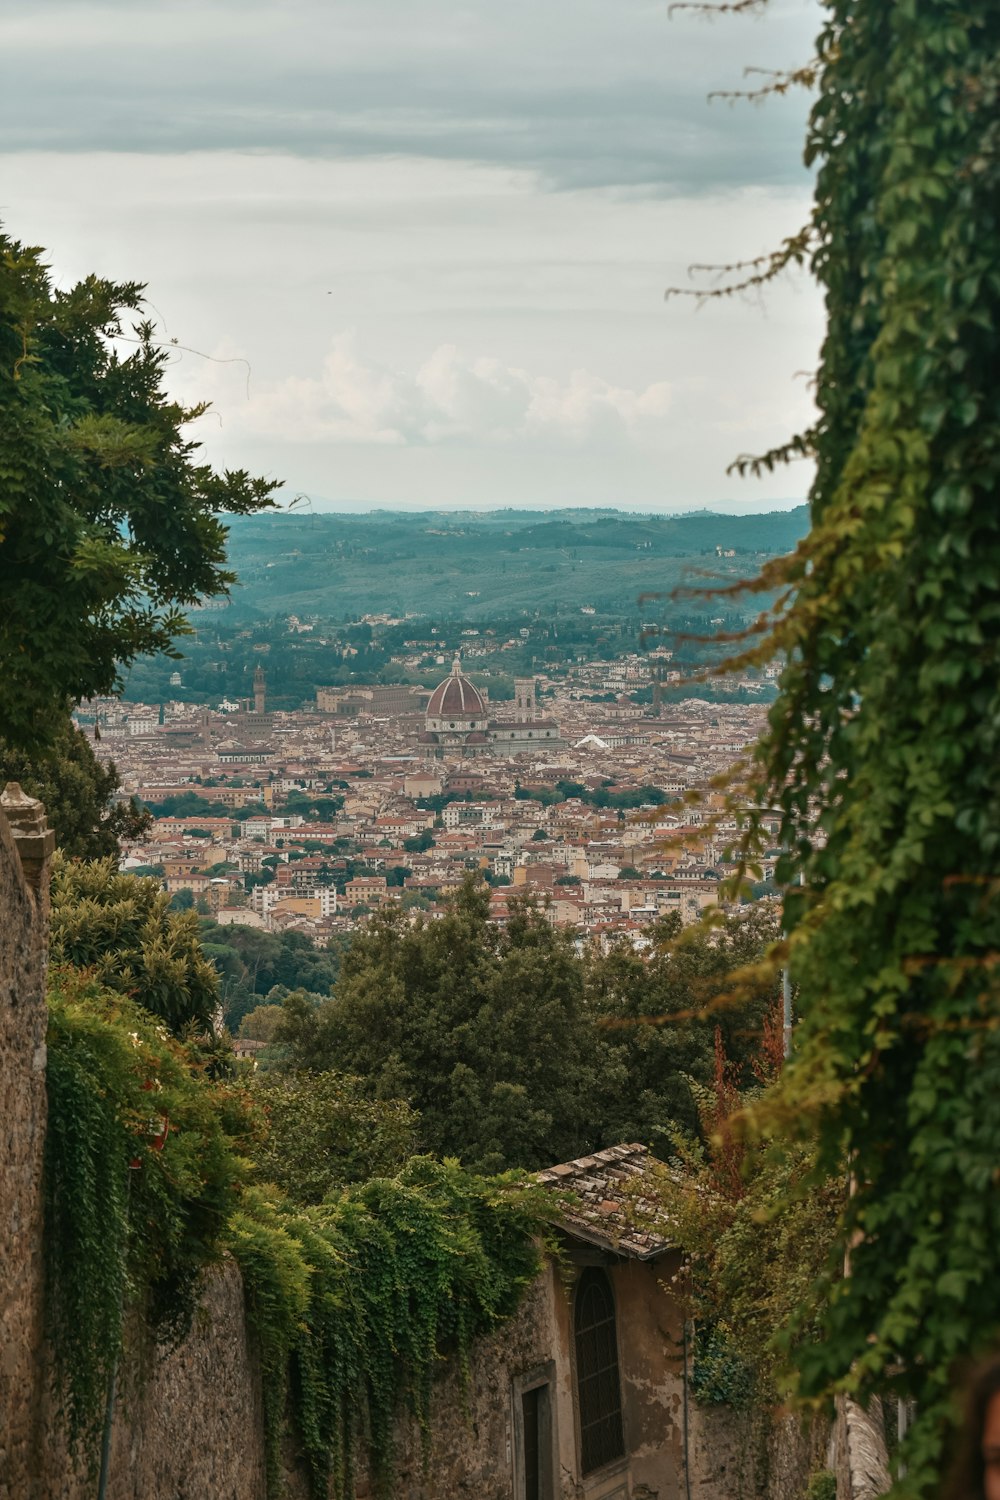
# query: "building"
{"points": [[585, 1394], [391, 700], [457, 722]]}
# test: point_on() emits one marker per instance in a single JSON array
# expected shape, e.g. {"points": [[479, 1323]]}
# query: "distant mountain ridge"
{"points": [[476, 564]]}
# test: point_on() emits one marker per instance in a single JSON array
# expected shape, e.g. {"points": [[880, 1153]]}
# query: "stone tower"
{"points": [[258, 691], [524, 700]]}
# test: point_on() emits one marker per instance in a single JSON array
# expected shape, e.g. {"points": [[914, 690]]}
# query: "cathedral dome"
{"points": [[456, 697]]}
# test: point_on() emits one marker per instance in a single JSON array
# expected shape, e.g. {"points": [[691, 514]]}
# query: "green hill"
{"points": [[471, 565]]}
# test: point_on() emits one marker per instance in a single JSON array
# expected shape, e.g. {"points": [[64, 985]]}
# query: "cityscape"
{"points": [[573, 794]]}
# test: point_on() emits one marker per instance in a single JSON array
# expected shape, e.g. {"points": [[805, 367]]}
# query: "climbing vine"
{"points": [[356, 1300], [881, 753], [142, 1170]]}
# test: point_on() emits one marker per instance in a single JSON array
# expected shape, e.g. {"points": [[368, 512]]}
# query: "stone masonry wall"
{"points": [[23, 941], [187, 1421]]}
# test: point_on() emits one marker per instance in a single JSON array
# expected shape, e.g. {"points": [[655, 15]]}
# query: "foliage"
{"points": [[322, 1132], [107, 524], [355, 1300], [79, 793], [123, 930], [484, 1030], [601, 797], [261, 1023], [420, 842], [251, 962], [822, 1485], [757, 1233], [126, 1222], [881, 755], [190, 805], [660, 1012]]}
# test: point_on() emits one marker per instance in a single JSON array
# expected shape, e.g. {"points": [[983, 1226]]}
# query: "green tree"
{"points": [[661, 1011], [251, 963], [323, 1132], [756, 1234], [420, 842], [261, 1023], [124, 931], [79, 793], [484, 1030], [107, 523]]}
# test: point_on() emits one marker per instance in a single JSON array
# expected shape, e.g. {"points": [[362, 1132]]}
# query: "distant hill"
{"points": [[472, 565]]}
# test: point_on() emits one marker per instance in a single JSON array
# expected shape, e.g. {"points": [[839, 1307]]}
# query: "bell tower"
{"points": [[259, 695], [524, 700]]}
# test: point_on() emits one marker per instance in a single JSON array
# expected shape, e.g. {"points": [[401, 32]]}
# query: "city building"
{"points": [[457, 722]]}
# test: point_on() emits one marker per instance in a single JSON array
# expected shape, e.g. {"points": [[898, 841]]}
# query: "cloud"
{"points": [[584, 93], [450, 398]]}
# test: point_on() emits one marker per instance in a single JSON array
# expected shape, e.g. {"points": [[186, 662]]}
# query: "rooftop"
{"points": [[606, 1213]]}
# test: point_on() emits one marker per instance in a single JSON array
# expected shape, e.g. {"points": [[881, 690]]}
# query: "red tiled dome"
{"points": [[456, 696]]}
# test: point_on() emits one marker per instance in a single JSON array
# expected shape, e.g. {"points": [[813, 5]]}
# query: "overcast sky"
{"points": [[438, 232]]}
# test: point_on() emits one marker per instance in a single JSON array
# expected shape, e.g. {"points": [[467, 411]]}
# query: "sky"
{"points": [[415, 252]]}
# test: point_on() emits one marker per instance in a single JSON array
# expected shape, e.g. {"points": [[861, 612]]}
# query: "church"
{"points": [[457, 722]]}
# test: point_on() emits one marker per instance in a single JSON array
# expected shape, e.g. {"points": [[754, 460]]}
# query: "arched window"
{"points": [[598, 1387]]}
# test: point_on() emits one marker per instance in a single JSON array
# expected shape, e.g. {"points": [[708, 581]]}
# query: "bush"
{"points": [[124, 930]]}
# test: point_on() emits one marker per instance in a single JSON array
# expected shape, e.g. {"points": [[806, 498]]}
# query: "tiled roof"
{"points": [[606, 1214]]}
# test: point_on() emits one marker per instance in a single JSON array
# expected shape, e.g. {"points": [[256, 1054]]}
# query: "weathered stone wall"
{"points": [[471, 1440], [188, 1424], [798, 1447], [187, 1421], [756, 1455], [23, 941]]}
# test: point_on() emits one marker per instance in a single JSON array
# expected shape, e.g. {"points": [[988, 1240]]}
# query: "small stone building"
{"points": [[582, 1395], [603, 1416]]}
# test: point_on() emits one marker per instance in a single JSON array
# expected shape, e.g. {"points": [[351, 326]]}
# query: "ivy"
{"points": [[881, 752], [142, 1170], [356, 1300]]}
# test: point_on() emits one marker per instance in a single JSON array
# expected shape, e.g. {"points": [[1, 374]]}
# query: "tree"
{"points": [[756, 1234], [323, 1132], [79, 793], [661, 1012], [108, 524], [124, 930], [251, 963], [882, 747], [261, 1023], [483, 1030], [420, 842]]}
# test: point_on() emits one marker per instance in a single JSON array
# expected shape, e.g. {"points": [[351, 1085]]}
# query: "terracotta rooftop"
{"points": [[605, 1214]]}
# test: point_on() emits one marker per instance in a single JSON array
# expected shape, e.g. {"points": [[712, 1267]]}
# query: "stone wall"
{"points": [[861, 1459], [23, 943], [187, 1421], [757, 1455]]}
